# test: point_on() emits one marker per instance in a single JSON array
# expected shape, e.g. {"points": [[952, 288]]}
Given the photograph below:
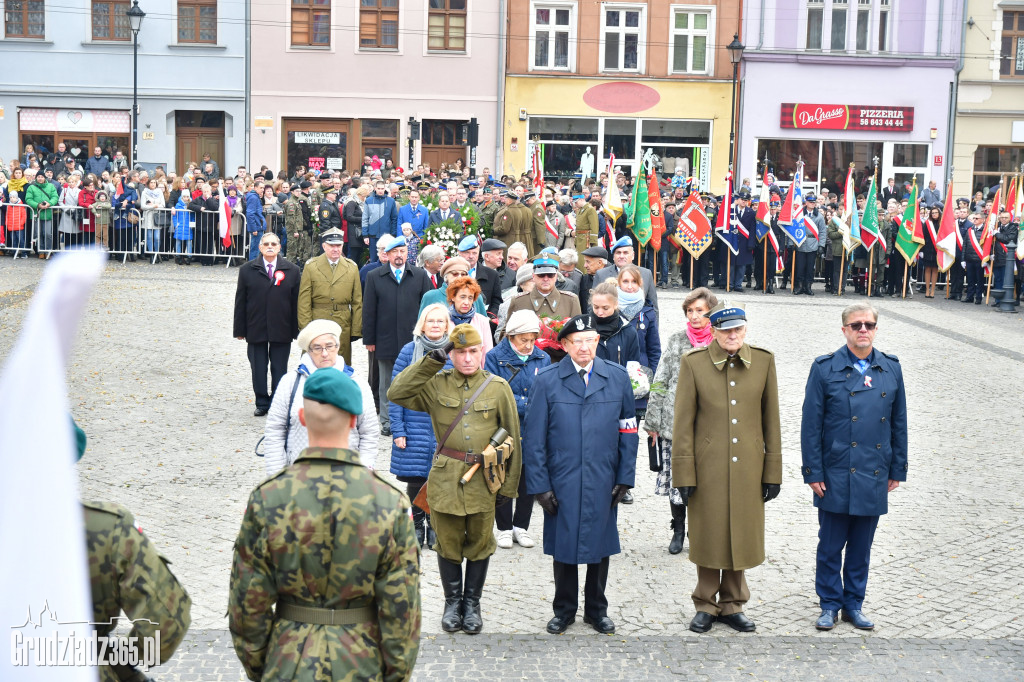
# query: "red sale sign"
{"points": [[845, 117]]}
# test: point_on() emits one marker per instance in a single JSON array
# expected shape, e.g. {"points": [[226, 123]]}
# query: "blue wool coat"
{"points": [[415, 427], [580, 440], [853, 436], [504, 361]]}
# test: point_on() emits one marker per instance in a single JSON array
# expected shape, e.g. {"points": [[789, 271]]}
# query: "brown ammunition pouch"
{"points": [[494, 462]]}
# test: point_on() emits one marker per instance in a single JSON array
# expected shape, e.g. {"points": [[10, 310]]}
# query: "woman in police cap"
{"points": [[726, 463]]}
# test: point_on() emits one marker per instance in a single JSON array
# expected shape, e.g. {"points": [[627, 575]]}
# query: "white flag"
{"points": [[45, 570]]}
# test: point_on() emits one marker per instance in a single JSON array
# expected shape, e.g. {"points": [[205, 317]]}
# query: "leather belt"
{"points": [[467, 457], [315, 615], [335, 307]]}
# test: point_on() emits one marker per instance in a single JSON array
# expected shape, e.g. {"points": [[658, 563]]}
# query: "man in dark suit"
{"points": [[391, 305], [488, 279], [890, 191], [266, 316], [444, 211]]}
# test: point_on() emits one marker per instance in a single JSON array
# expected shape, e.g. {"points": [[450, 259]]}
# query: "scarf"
{"points": [[17, 185], [459, 318], [153, 195], [698, 337], [607, 326], [631, 304], [421, 345]]}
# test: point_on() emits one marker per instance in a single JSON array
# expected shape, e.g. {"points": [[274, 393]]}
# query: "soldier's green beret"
{"points": [[333, 387], [464, 336]]}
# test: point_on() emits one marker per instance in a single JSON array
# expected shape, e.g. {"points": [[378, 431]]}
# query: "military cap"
{"points": [[314, 329], [333, 236], [492, 244], [296, 188], [529, 195], [468, 242], [550, 249], [580, 323], [331, 386], [810, 197], [464, 336], [744, 194], [305, 184], [544, 264], [577, 196], [330, 190], [726, 316], [622, 243], [522, 322], [396, 242], [596, 252]]}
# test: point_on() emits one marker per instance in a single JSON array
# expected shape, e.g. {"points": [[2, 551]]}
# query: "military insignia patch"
{"points": [[580, 325], [462, 339]]}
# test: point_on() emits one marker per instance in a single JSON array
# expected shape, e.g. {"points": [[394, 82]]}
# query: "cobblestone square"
{"points": [[163, 391]]}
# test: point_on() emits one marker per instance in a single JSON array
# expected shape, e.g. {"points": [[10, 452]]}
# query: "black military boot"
{"points": [[451, 582], [418, 523], [678, 528], [431, 536], [476, 574]]}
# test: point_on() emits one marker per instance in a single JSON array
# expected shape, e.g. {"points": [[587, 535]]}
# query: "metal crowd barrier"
{"points": [[18, 240]]}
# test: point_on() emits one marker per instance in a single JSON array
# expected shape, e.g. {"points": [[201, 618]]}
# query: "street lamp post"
{"points": [[735, 54], [135, 17]]}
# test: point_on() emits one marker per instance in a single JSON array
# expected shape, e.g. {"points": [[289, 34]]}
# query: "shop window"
{"points": [[197, 21], [446, 25], [623, 29], [836, 158], [910, 155], [110, 20], [1011, 54], [783, 156], [676, 144], [378, 24], [815, 23], [620, 138], [553, 32], [24, 19], [564, 129], [838, 26], [992, 163], [317, 149], [311, 23], [690, 34]]}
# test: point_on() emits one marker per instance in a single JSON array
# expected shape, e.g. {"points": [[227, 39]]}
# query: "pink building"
{"points": [[336, 80]]}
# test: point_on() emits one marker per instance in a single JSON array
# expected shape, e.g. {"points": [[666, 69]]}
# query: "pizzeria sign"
{"points": [[846, 117]]}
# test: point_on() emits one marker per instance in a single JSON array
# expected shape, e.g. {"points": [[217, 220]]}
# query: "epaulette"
{"points": [[521, 294], [763, 350], [890, 356], [568, 293], [823, 358], [695, 350]]}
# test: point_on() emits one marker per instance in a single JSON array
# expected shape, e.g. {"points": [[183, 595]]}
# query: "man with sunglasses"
{"points": [[854, 445], [545, 300]]}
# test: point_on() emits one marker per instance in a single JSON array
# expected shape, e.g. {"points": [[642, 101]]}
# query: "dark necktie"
{"points": [[270, 271], [583, 375]]}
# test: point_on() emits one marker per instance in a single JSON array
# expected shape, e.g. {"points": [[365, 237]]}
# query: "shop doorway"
{"points": [[443, 144], [198, 133]]}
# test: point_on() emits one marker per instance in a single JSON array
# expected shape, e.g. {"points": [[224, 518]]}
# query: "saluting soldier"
{"points": [[325, 586], [467, 406], [330, 290], [726, 463], [127, 573], [295, 223], [545, 300]]}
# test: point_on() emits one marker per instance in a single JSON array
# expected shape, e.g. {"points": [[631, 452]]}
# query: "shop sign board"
{"points": [[846, 117], [317, 138]]}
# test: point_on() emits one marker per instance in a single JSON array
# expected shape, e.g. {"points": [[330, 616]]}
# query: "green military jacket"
{"points": [[557, 305], [425, 388], [326, 532], [332, 294], [588, 229], [127, 573], [489, 212], [540, 230], [293, 220]]}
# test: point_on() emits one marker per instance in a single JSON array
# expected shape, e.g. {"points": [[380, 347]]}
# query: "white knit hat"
{"points": [[317, 328]]}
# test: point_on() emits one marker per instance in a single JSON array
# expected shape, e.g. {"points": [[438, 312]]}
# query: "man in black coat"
{"points": [[391, 306], [890, 191], [266, 317]]}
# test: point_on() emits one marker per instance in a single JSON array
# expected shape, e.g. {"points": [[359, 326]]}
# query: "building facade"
{"points": [[75, 74], [334, 81], [990, 99], [588, 80], [833, 82]]}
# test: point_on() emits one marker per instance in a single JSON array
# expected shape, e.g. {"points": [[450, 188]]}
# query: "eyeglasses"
{"points": [[458, 274], [326, 348], [857, 326], [545, 274]]}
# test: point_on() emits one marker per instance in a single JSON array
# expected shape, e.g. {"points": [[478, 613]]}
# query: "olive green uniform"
{"points": [[462, 516], [557, 305], [488, 212], [327, 293], [300, 247], [588, 231], [127, 573], [326, 533], [540, 231]]}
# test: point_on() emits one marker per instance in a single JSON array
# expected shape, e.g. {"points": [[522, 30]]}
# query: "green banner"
{"points": [[639, 220], [910, 238]]}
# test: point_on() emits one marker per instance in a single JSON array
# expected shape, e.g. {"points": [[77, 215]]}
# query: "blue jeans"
{"points": [[16, 239], [179, 243], [153, 240], [373, 249], [254, 243]]}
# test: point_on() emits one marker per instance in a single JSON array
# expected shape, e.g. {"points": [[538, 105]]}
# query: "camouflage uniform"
{"points": [[488, 213], [301, 246], [127, 573], [329, 533]]}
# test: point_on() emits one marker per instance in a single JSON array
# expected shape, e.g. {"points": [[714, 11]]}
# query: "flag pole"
{"points": [[728, 269], [693, 264], [792, 273], [988, 288], [764, 276], [654, 262], [871, 268], [842, 272], [905, 278]]}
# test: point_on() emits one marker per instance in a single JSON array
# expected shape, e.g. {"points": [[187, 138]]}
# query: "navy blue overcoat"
{"points": [[580, 440], [854, 432]]}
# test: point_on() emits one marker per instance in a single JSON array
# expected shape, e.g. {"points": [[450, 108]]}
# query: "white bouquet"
{"points": [[638, 378]]}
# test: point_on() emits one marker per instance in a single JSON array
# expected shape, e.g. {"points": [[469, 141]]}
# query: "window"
{"points": [[24, 19], [1011, 55], [553, 32], [623, 31], [197, 21], [991, 163], [446, 25], [863, 24], [883, 26], [815, 23], [311, 23], [838, 26], [110, 21], [565, 141], [378, 24], [690, 32]]}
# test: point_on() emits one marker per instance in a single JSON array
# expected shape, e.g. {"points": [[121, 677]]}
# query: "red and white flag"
{"points": [[224, 215], [946, 238]]}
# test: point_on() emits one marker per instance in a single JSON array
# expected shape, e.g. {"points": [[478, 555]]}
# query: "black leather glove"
{"points": [[548, 502], [500, 500], [769, 491], [441, 354], [618, 492], [686, 493]]}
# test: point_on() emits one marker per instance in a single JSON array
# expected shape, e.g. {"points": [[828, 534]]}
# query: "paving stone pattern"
{"points": [[163, 391]]}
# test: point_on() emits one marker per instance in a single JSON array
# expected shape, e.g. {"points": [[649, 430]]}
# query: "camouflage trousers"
{"points": [[464, 537], [300, 249]]}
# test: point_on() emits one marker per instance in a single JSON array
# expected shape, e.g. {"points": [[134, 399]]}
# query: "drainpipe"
{"points": [[954, 92], [248, 84], [499, 132]]}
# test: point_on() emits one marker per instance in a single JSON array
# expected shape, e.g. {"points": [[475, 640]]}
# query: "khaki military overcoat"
{"points": [[326, 294]]}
